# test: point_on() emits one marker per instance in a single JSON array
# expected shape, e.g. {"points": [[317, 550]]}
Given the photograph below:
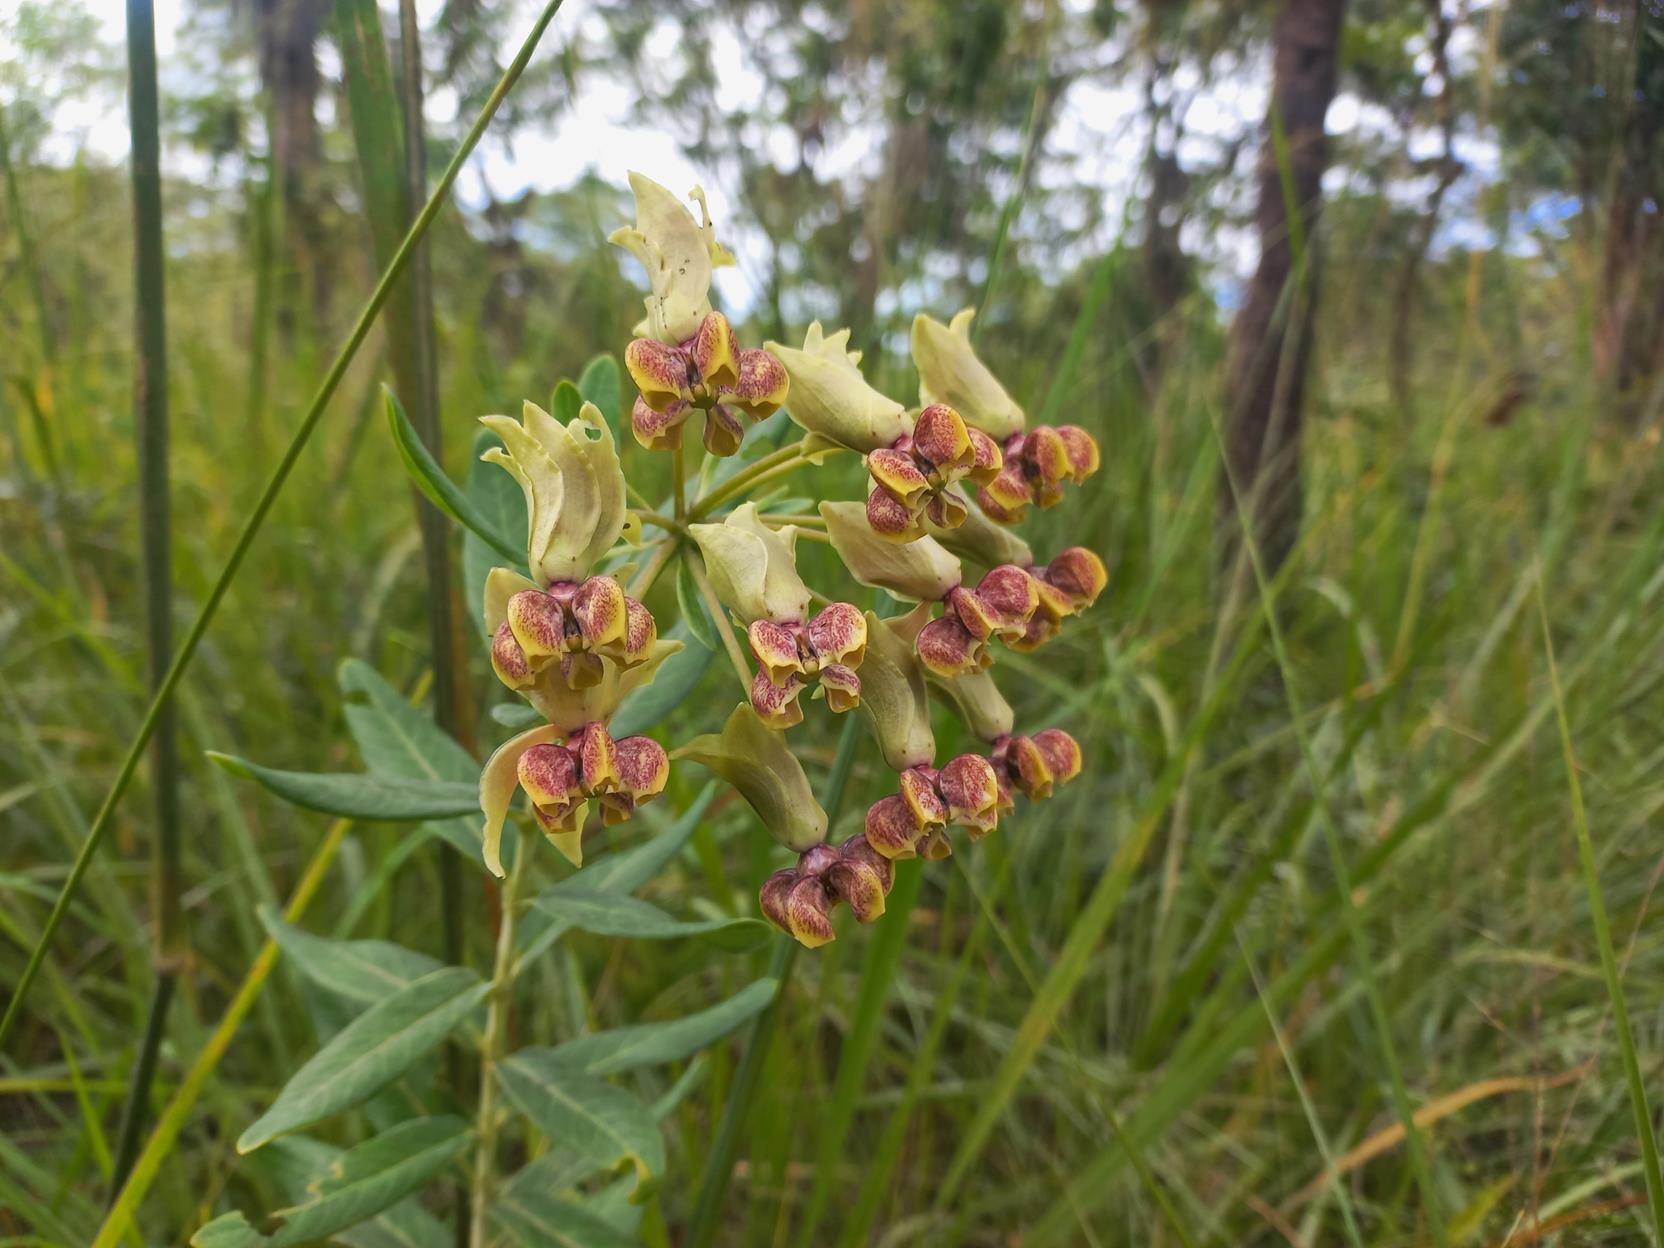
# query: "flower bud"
{"points": [[831, 399], [951, 373], [756, 760], [979, 702], [753, 568], [894, 701], [920, 571], [573, 485], [1034, 765], [980, 540]]}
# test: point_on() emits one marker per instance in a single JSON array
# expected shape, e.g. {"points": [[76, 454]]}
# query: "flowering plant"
{"points": [[945, 480]]}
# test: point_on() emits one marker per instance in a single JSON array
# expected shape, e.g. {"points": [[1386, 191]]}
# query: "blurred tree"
{"points": [[1271, 338], [286, 36]]}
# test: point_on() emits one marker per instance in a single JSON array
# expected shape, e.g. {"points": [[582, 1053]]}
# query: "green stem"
{"points": [[719, 617], [251, 528], [719, 1168], [150, 418], [492, 1049], [1603, 941], [745, 478]]}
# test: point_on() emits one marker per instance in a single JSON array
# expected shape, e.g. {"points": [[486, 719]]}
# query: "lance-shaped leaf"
{"points": [[951, 373], [602, 384], [373, 1176], [618, 914], [360, 971], [359, 795], [229, 1230], [654, 1044], [440, 490], [370, 1052], [536, 1218], [917, 571], [602, 1123], [648, 706], [756, 760]]}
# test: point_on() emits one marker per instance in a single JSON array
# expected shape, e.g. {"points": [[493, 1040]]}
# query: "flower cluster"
{"points": [[945, 481]]}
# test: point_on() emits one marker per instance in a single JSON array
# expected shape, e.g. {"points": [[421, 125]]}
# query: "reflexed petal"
{"points": [[499, 780], [598, 760], [549, 774], [643, 767], [841, 686], [777, 705], [1082, 450], [997, 511], [659, 431], [1079, 573], [1051, 603], [617, 808], [538, 623], [714, 352], [600, 610], [762, 386], [890, 518], [1009, 490], [772, 896], [1061, 752], [508, 660], [896, 470], [808, 913], [1047, 455], [935, 846], [858, 882], [565, 829], [1009, 595], [723, 431], [948, 649], [970, 609], [660, 372], [918, 790], [972, 792], [775, 646], [1032, 773], [1041, 629], [891, 829], [986, 458], [838, 634], [941, 440]]}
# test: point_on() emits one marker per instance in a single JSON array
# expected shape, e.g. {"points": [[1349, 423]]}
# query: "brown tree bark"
{"points": [[1271, 337], [287, 37]]}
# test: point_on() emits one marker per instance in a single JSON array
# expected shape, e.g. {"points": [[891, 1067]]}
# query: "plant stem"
{"points": [[150, 418], [719, 1168], [679, 483], [747, 477], [719, 617], [644, 579], [1603, 941], [257, 518], [672, 523], [172, 1120], [492, 1048]]}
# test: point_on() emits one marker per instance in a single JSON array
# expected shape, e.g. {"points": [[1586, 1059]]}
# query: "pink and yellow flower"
{"points": [[913, 821], [912, 480], [708, 372], [576, 624], [799, 900]]}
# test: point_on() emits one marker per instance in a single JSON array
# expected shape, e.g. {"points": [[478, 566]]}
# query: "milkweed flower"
{"points": [[913, 821], [1035, 462], [753, 572], [799, 900], [914, 461], [686, 357]]}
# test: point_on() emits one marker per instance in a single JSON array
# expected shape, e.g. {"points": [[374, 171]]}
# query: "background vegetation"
{"points": [[1317, 851]]}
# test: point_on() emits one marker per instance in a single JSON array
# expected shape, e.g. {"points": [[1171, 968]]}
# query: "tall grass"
{"points": [[1135, 1016]]}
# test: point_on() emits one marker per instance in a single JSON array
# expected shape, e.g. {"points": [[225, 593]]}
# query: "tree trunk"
{"points": [[287, 36], [1271, 338]]}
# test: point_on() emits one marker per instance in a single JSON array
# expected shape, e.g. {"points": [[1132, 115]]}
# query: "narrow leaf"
{"points": [[615, 914], [534, 1218], [373, 1176], [229, 1230], [360, 795], [520, 716], [653, 1044], [600, 1122], [565, 403], [601, 384], [361, 971], [440, 490], [691, 603], [370, 1052], [675, 680]]}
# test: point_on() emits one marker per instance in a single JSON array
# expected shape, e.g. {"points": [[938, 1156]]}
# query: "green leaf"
{"points": [[440, 490], [602, 384], [297, 1164], [653, 1044], [229, 1230], [691, 603], [672, 683], [360, 795], [373, 1176], [361, 971], [565, 403], [519, 716], [615, 914], [534, 1218], [497, 498], [370, 1052], [398, 739], [596, 1120]]}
